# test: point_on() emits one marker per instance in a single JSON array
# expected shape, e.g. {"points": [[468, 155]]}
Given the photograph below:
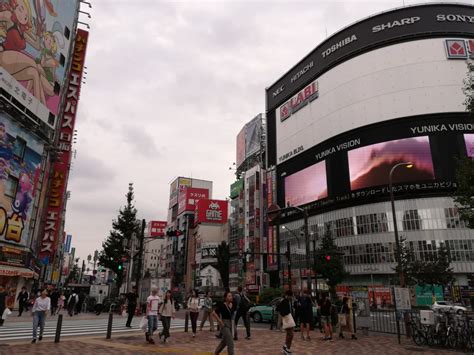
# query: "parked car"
{"points": [[448, 306], [263, 312]]}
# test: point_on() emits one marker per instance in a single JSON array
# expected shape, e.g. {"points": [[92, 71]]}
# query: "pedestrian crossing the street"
{"points": [[72, 327]]}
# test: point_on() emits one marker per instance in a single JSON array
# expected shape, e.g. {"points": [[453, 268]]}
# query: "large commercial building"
{"points": [[247, 225], [38, 104], [184, 194], [383, 91]]}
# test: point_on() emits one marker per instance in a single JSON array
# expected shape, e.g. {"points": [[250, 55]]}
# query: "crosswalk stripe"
{"points": [[24, 331]]}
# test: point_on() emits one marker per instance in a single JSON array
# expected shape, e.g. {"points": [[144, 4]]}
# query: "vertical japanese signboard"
{"points": [[60, 169]]}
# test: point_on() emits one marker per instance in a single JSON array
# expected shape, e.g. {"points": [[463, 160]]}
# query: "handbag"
{"points": [[342, 320], [144, 324], [6, 313], [288, 321]]}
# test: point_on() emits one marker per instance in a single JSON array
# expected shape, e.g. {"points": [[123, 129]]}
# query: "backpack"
{"points": [[245, 303]]}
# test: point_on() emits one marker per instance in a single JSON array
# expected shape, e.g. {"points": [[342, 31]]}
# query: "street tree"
{"points": [[329, 263], [73, 275], [465, 192], [434, 269], [406, 264], [223, 257], [114, 248]]}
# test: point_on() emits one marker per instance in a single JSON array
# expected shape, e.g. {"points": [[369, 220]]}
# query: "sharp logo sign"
{"points": [[301, 99], [456, 49]]}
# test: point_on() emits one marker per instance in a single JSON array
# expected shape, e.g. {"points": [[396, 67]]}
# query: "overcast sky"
{"points": [[169, 86]]}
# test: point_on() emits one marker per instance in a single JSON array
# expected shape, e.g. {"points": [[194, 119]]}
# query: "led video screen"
{"points": [[306, 185], [469, 140], [370, 166]]}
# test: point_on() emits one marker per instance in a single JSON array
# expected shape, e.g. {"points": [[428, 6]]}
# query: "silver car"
{"points": [[448, 306]]}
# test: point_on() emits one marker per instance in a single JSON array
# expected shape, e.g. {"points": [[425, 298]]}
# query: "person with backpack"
{"points": [[242, 311], [345, 319], [71, 303]]}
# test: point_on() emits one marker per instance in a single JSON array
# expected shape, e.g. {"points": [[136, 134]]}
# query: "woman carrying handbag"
{"points": [[345, 320], [285, 308]]}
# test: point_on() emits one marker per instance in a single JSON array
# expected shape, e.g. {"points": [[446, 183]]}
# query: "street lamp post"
{"points": [[408, 165]]}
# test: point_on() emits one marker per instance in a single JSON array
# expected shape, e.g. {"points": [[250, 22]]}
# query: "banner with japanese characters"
{"points": [[20, 168], [60, 170]]}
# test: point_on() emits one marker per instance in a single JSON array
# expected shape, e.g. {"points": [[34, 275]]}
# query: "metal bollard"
{"points": [[58, 328], [109, 326], [186, 322]]}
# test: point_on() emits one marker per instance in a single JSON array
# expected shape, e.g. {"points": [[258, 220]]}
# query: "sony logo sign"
{"points": [[454, 18], [396, 23], [278, 91]]}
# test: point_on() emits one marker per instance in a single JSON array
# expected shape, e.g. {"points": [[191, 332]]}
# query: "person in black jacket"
{"points": [[285, 307], [22, 299]]}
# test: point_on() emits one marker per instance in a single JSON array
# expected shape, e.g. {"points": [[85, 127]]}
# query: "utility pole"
{"points": [[141, 240]]}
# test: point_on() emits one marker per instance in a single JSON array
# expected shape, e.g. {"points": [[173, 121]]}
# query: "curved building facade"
{"points": [[385, 90]]}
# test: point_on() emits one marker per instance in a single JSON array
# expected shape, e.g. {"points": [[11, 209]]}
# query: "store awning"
{"points": [[17, 271]]}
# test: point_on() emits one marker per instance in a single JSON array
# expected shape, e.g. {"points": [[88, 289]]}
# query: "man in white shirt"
{"points": [[152, 305], [40, 309]]}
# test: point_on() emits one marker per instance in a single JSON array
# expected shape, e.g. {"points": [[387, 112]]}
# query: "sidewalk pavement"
{"points": [[264, 342]]}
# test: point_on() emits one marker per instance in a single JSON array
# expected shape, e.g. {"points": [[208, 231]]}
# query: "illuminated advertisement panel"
{"points": [[469, 140], [370, 166], [20, 167], [35, 42], [306, 185]]}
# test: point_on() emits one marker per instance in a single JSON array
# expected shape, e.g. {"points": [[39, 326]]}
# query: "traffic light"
{"points": [[327, 258], [120, 266], [173, 233]]}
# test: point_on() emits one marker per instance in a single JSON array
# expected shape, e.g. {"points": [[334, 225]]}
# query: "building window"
{"points": [[452, 218], [372, 223], [344, 227], [411, 220]]}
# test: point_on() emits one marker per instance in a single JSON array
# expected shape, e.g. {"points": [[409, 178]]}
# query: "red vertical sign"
{"points": [[60, 169]]}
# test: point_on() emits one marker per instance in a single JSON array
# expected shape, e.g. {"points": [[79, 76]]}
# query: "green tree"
{"points": [[465, 192], [468, 88], [223, 257], [73, 275], [406, 264], [434, 270], [329, 262], [114, 247]]}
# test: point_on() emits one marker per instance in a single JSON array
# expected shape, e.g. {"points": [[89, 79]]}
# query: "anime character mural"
{"points": [[32, 39], [20, 167]]}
